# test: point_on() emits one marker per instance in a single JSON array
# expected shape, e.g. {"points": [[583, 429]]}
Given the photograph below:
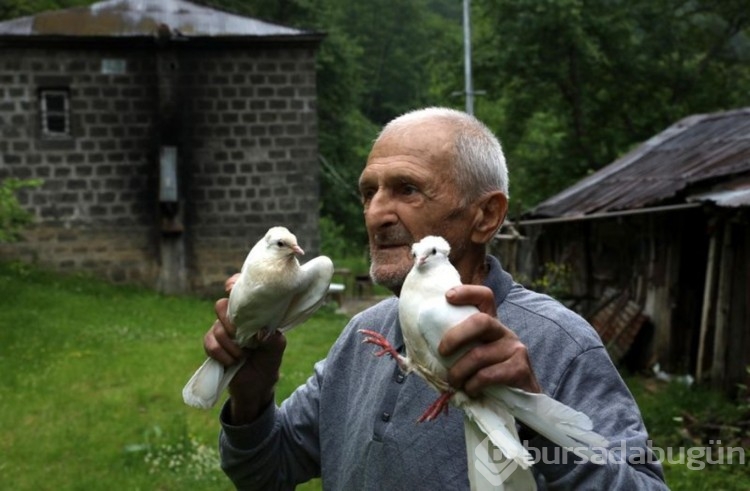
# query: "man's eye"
{"points": [[408, 189], [366, 195]]}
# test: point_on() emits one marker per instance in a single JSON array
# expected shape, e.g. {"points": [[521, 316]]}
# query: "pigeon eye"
{"points": [[280, 243], [434, 251]]}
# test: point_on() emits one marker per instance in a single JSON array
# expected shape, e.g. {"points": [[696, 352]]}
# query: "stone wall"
{"points": [[243, 121]]}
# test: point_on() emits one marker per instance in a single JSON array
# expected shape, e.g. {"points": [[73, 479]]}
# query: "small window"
{"points": [[55, 113], [114, 66]]}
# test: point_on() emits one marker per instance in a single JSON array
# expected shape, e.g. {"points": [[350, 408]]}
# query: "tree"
{"points": [[10, 9], [580, 82]]}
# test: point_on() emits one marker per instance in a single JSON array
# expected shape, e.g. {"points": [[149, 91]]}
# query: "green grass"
{"points": [[90, 394], [92, 375], [696, 419]]}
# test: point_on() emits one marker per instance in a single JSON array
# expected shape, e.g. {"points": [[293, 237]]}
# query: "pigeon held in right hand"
{"points": [[272, 292], [425, 315]]}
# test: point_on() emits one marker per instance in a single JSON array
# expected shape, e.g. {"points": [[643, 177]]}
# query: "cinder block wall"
{"points": [[94, 211], [244, 121], [253, 154]]}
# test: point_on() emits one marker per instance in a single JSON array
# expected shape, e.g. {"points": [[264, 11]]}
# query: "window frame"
{"points": [[45, 113]]}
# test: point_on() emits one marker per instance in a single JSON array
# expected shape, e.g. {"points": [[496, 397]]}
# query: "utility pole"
{"points": [[468, 88]]}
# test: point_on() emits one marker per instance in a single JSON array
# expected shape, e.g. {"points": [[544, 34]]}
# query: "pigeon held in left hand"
{"points": [[273, 292]]}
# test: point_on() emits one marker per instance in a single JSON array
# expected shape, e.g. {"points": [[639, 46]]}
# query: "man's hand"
{"points": [[251, 389], [498, 356]]}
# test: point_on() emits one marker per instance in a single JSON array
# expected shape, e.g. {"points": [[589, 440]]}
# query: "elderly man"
{"points": [[434, 171]]}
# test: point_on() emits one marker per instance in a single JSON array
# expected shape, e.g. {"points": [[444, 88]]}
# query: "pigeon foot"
{"points": [[378, 339], [437, 407]]}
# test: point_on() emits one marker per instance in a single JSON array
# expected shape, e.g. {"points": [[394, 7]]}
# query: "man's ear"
{"points": [[490, 214]]}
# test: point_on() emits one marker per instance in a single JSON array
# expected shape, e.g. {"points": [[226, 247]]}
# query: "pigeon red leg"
{"points": [[378, 339], [437, 407]]}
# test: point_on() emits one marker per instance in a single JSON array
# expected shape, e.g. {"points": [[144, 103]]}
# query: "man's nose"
{"points": [[380, 210]]}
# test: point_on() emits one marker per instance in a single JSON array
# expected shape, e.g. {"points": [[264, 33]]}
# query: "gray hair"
{"points": [[479, 161]]}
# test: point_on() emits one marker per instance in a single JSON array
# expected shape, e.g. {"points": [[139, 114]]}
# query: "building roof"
{"points": [[704, 157], [141, 18]]}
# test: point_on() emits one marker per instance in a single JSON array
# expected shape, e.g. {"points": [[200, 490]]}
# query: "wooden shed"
{"points": [[169, 137], [665, 228]]}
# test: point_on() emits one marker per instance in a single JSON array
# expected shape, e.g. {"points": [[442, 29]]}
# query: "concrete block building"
{"points": [[169, 137]]}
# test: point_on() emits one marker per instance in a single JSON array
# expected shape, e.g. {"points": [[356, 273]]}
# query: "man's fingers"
{"points": [[229, 283], [493, 353], [220, 307], [219, 341], [477, 295], [220, 346], [503, 362], [479, 328], [215, 350]]}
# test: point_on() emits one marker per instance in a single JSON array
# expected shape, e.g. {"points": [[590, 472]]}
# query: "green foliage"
{"points": [[340, 170], [556, 280], [541, 142], [671, 407], [602, 76], [10, 9], [396, 60], [13, 218], [680, 416], [367, 75], [333, 238]]}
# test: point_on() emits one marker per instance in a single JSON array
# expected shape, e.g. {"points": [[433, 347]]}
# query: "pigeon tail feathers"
{"points": [[550, 418]]}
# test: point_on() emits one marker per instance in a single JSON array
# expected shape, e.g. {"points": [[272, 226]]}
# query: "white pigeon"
{"points": [[425, 315], [273, 292]]}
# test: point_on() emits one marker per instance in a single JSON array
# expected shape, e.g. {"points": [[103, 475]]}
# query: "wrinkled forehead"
{"points": [[429, 140]]}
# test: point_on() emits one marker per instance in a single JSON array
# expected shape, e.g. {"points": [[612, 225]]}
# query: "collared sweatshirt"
{"points": [[354, 422]]}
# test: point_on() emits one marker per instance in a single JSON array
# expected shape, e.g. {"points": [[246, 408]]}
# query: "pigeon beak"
{"points": [[298, 250], [421, 260]]}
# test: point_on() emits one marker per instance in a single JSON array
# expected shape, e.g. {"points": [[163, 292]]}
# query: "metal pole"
{"points": [[469, 90]]}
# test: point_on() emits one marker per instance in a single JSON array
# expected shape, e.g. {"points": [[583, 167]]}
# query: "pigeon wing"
{"points": [[314, 281], [437, 317], [256, 306]]}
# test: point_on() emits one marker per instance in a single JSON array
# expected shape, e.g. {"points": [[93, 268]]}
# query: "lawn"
{"points": [[91, 385], [90, 395]]}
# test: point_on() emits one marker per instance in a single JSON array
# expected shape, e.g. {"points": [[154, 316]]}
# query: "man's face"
{"points": [[408, 193]]}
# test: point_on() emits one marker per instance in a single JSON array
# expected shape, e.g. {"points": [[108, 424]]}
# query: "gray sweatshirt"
{"points": [[353, 423]]}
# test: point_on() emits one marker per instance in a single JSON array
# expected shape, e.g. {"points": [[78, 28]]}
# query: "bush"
{"points": [[333, 238], [13, 218]]}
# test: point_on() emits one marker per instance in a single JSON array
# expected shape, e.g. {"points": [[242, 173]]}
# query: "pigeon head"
{"points": [[429, 247], [280, 240]]}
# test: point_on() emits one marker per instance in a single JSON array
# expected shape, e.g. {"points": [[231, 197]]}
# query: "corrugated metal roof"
{"points": [[696, 150], [137, 18]]}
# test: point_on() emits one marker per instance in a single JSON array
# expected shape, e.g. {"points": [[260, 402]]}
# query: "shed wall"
{"points": [[660, 260]]}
